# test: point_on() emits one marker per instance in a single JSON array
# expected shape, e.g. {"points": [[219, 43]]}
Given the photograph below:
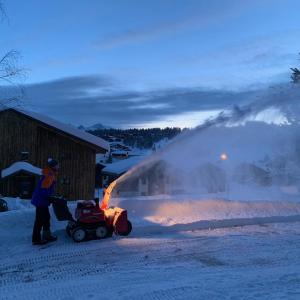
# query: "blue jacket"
{"points": [[44, 189]]}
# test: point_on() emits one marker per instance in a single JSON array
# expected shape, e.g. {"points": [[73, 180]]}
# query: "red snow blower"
{"points": [[91, 221]]}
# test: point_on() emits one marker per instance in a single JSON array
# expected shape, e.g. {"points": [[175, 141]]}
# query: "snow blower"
{"points": [[91, 221]]}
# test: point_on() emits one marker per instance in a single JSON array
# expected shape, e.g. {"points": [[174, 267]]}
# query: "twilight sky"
{"points": [[149, 63]]}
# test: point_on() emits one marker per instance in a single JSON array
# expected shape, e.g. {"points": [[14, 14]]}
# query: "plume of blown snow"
{"points": [[238, 147]]}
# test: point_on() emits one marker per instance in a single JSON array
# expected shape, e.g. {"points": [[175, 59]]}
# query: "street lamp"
{"points": [[223, 156]]}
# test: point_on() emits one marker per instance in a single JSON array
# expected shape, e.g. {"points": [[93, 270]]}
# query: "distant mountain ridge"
{"points": [[96, 126], [138, 138]]}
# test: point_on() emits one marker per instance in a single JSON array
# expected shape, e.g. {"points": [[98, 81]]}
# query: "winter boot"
{"points": [[40, 242], [48, 236]]}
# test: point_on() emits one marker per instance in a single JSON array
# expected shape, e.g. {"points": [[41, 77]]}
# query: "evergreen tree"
{"points": [[295, 76]]}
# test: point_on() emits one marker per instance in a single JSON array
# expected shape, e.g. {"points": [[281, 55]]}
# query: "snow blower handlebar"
{"points": [[60, 208]]}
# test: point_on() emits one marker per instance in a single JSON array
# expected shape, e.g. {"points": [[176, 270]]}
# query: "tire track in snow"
{"points": [[72, 264], [99, 262]]}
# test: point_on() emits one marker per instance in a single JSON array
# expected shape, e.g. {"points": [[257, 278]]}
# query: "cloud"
{"points": [[279, 48], [259, 60], [96, 99], [206, 13], [93, 99], [68, 88]]}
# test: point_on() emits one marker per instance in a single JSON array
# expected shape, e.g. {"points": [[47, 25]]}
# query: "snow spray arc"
{"points": [[108, 192], [200, 149]]}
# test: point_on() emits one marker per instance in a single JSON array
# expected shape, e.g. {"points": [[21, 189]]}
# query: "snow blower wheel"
{"points": [[78, 234], [101, 232], [71, 225]]}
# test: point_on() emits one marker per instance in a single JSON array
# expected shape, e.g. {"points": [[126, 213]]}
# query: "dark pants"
{"points": [[42, 221]]}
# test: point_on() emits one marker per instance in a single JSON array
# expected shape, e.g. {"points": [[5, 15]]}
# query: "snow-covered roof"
{"points": [[117, 144], [69, 129], [20, 166], [123, 165], [119, 152], [101, 157]]}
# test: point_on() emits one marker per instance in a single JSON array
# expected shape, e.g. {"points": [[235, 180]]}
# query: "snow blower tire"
{"points": [[79, 234], [101, 232]]}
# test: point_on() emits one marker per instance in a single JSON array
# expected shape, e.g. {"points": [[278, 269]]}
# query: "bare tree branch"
{"points": [[10, 76], [10, 73], [3, 15], [8, 66]]}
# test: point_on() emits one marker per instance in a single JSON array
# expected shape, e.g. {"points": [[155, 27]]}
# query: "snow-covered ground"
{"points": [[193, 257]]}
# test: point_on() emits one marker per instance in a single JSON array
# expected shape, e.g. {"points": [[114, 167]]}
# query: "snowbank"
{"points": [[168, 212], [17, 203]]}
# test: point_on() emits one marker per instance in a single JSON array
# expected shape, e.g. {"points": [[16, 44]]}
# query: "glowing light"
{"points": [[223, 156], [106, 198]]}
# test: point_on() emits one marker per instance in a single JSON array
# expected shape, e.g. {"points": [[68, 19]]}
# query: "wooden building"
{"points": [[41, 137], [20, 179]]}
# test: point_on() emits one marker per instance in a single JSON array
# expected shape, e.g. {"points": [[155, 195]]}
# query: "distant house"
{"points": [[119, 150], [119, 154], [246, 173], [119, 146], [112, 171], [159, 177], [28, 139], [145, 180]]}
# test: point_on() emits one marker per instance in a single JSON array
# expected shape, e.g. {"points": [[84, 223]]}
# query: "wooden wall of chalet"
{"points": [[19, 133]]}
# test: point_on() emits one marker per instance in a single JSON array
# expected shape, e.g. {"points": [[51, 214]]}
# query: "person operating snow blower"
{"points": [[41, 200]]}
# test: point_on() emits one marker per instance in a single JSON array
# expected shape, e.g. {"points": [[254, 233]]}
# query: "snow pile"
{"points": [[169, 211], [17, 203]]}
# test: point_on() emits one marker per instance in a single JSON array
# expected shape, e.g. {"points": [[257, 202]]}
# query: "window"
{"points": [[65, 180], [24, 155]]}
